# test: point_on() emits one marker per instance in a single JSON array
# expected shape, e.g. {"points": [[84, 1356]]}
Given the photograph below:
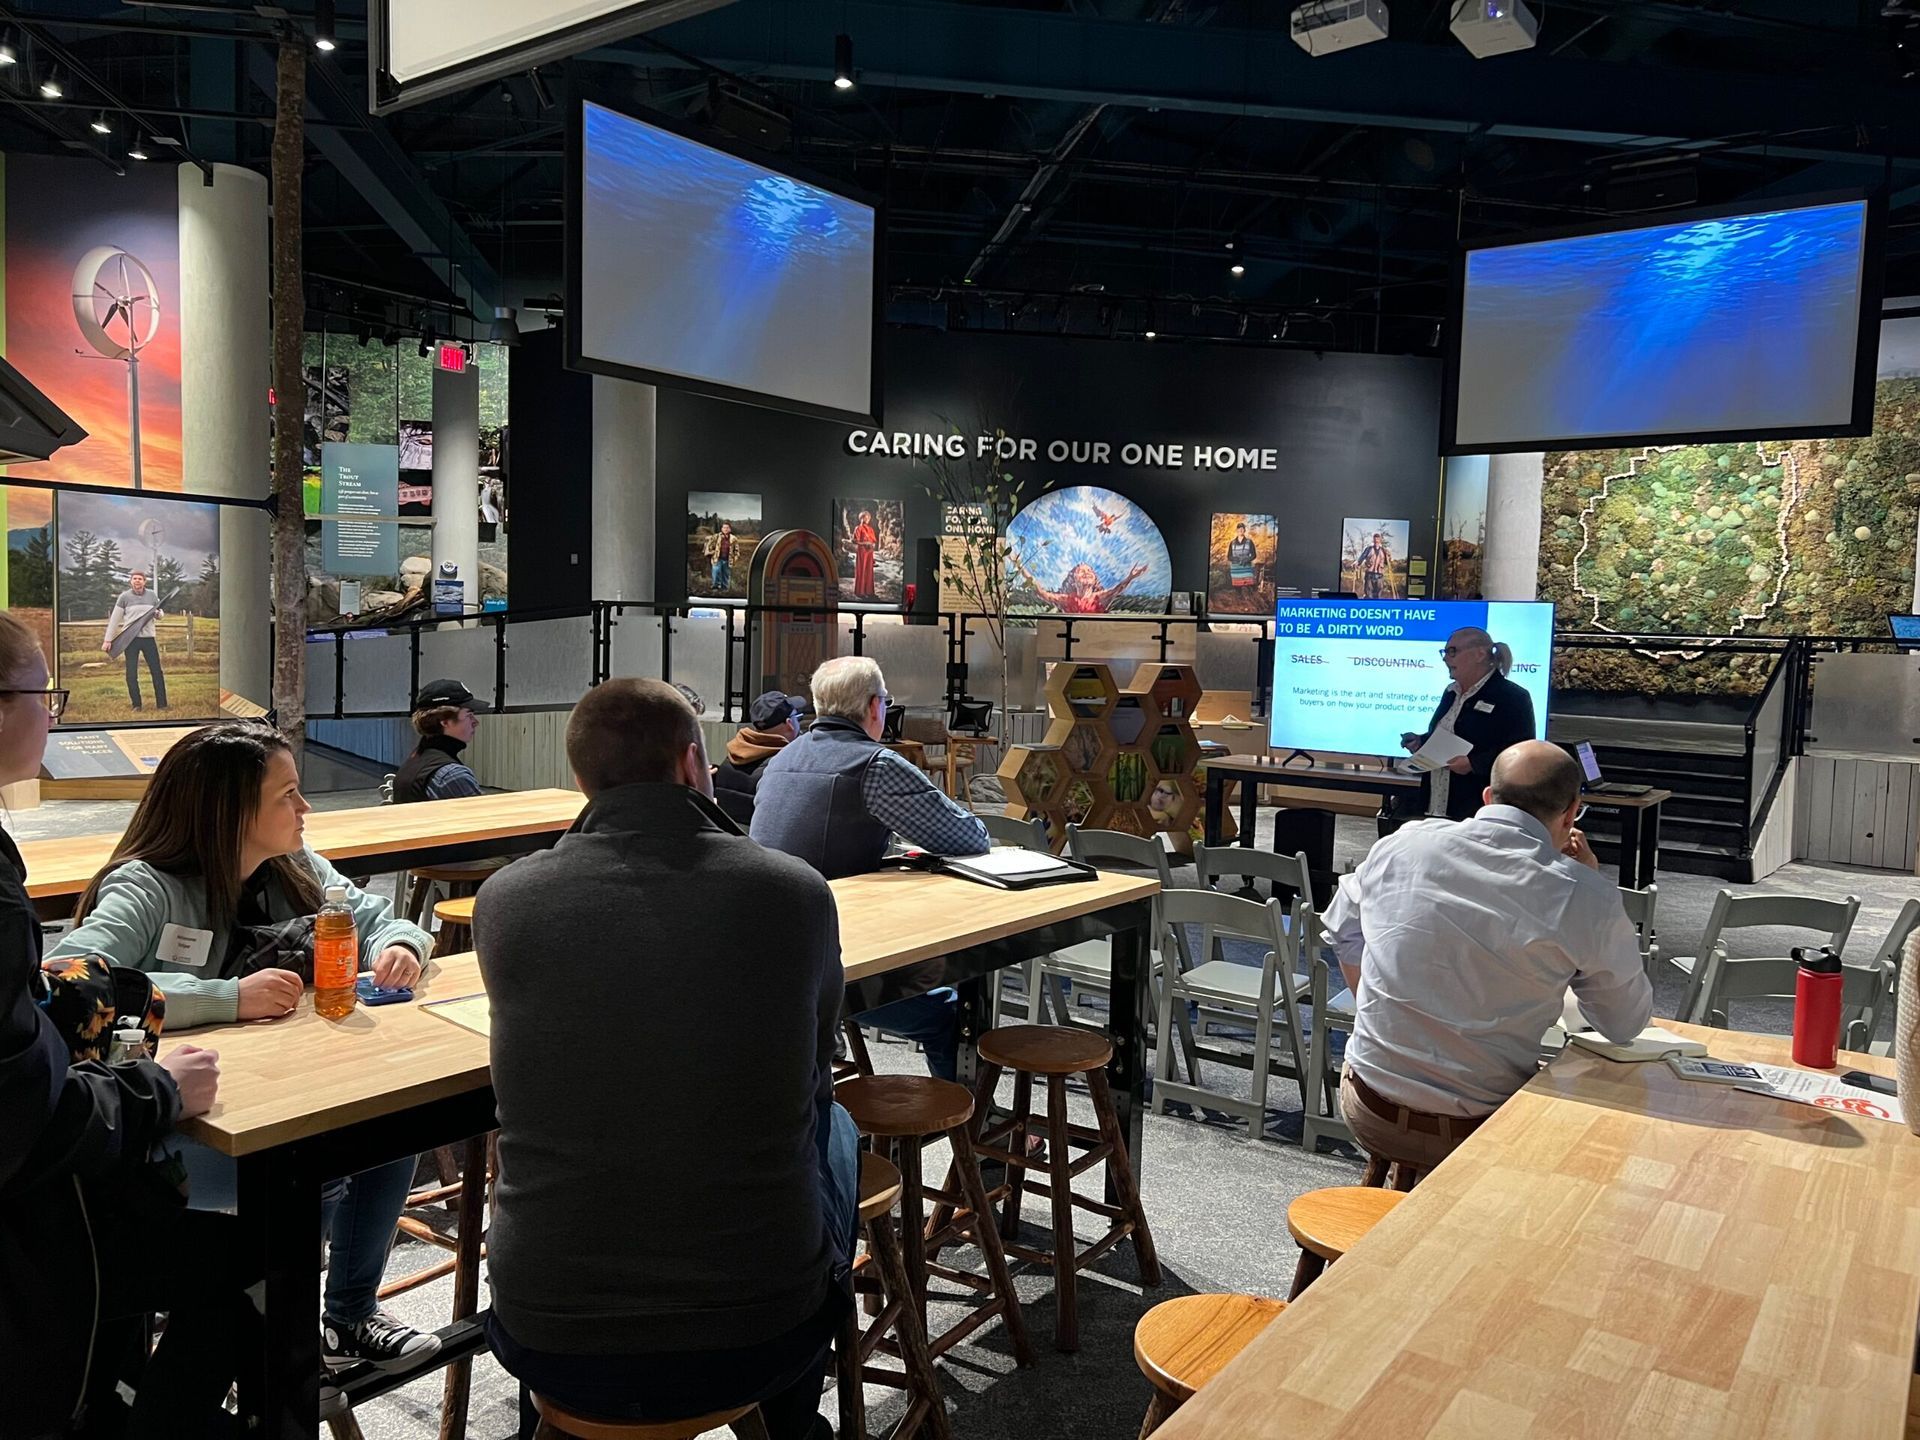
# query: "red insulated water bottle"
{"points": [[1816, 1008]]}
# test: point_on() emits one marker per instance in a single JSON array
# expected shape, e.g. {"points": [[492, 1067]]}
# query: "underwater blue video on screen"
{"points": [[696, 263], [1746, 323]]}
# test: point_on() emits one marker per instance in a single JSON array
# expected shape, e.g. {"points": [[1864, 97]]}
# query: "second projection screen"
{"points": [[697, 265]]}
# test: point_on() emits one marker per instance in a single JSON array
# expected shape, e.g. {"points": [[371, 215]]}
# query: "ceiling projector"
{"points": [[1321, 27], [1494, 27]]}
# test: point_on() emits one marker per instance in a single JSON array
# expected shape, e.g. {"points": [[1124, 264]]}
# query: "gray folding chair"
{"points": [[1088, 966], [1259, 995], [1029, 834], [1330, 1003], [1640, 906], [1887, 957], [1714, 977]]}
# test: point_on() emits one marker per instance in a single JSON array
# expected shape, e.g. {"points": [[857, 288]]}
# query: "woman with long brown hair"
{"points": [[216, 849], [74, 1138]]}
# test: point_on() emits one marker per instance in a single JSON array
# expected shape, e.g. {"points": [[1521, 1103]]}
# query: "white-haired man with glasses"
{"points": [[836, 797]]}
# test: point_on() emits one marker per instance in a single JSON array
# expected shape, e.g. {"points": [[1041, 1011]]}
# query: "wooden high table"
{"points": [[303, 1100], [369, 839], [1617, 1252], [1297, 785]]}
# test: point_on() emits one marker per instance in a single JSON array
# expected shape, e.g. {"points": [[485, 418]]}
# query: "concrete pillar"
{"points": [[456, 476], [1514, 485], [225, 345], [624, 428]]}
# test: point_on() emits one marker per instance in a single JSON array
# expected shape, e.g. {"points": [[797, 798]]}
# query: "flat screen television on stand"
{"points": [[1353, 676], [1905, 629], [1732, 323], [693, 265]]}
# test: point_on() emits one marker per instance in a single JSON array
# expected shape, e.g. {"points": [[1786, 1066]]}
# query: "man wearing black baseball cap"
{"points": [[445, 713], [772, 720]]}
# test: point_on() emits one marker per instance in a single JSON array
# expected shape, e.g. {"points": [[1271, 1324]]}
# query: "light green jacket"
{"points": [[137, 902]]}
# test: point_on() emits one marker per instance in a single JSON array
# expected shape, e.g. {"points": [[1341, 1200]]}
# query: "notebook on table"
{"points": [[1012, 868], [1652, 1043]]}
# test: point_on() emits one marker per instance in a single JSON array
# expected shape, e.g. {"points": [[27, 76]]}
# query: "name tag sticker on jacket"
{"points": [[182, 946], [1484, 706]]}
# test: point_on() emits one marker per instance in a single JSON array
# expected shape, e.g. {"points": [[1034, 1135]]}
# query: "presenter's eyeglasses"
{"points": [[54, 700]]}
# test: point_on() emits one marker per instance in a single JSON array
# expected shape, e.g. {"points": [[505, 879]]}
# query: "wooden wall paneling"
{"points": [[1819, 808], [1896, 836], [1869, 809], [1840, 815]]}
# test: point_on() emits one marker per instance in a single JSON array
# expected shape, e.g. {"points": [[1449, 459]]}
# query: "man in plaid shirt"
{"points": [[836, 797]]}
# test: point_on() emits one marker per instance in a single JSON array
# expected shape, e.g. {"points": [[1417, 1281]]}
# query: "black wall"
{"points": [[1354, 435]]}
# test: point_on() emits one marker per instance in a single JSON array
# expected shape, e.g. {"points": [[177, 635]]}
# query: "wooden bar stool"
{"points": [[456, 925], [467, 1179], [1181, 1344], [1054, 1052], [556, 1422], [1325, 1224], [454, 880], [879, 1191], [908, 1112], [858, 1062]]}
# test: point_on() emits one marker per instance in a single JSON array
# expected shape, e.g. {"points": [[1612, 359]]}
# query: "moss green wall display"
{"points": [[1768, 538]]}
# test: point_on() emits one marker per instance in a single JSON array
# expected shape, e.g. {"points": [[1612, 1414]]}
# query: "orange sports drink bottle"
{"points": [[336, 956]]}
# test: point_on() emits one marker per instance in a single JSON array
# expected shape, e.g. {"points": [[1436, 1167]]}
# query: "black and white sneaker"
{"points": [[379, 1340]]}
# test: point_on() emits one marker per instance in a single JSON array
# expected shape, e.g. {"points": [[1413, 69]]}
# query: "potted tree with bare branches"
{"points": [[979, 496]]}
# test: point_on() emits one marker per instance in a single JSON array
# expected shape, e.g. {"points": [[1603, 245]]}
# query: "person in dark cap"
{"points": [[445, 713], [772, 720]]}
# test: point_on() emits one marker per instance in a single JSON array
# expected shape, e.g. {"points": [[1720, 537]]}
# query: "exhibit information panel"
{"points": [[1353, 676]]}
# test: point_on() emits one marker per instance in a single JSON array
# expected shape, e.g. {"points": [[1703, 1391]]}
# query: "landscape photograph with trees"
{"points": [[138, 599]]}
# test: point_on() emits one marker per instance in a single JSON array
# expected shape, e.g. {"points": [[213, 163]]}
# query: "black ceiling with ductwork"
{"points": [[1047, 165]]}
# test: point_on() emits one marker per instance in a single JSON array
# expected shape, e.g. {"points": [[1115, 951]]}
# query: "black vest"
{"points": [[431, 754], [808, 801]]}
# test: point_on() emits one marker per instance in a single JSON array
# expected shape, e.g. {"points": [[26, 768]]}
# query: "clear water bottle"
{"points": [[336, 956]]}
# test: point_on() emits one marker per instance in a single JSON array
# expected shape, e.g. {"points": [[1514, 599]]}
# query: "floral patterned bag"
{"points": [[86, 995]]}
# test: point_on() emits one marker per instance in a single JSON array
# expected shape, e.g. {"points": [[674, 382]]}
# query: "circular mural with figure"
{"points": [[1086, 551]]}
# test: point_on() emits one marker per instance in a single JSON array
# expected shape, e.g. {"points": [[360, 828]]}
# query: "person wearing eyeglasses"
{"points": [[83, 1261], [836, 797], [1480, 706], [1460, 943]]}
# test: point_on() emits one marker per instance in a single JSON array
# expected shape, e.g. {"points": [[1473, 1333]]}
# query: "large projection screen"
{"points": [[697, 268], [422, 48], [1720, 324]]}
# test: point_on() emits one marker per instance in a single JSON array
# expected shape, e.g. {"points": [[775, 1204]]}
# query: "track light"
{"points": [[1237, 268], [1151, 334], [505, 329], [323, 37], [50, 87], [425, 348], [8, 55], [100, 125], [137, 150], [843, 62]]}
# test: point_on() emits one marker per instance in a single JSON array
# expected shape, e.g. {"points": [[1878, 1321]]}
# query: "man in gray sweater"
{"points": [[676, 1204]]}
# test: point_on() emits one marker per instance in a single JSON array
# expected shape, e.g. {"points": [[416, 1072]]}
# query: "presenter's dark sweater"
{"points": [[1498, 715], [658, 1191]]}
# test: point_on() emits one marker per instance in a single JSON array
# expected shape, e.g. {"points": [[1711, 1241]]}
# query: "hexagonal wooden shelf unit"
{"points": [[1175, 750], [1098, 765], [1085, 691]]}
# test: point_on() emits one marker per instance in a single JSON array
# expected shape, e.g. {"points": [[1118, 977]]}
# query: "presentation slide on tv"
{"points": [[1354, 675]]}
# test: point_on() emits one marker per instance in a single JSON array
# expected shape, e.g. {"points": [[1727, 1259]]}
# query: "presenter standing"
{"points": [[1482, 707]]}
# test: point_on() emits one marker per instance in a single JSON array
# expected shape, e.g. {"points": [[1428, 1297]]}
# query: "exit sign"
{"points": [[452, 357]]}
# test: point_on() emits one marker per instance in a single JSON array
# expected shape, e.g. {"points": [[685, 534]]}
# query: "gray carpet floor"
{"points": [[1216, 1201]]}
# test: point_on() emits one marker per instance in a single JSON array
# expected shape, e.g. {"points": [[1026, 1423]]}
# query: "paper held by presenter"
{"points": [[1441, 747]]}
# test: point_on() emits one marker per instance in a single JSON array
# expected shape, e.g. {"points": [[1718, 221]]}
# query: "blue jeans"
{"points": [[933, 1019], [358, 1215], [722, 574], [782, 1374]]}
